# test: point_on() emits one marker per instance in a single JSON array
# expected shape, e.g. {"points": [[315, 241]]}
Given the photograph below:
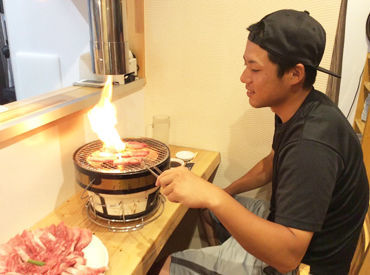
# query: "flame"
{"points": [[103, 119]]}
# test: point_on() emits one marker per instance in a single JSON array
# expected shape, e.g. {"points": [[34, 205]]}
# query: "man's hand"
{"points": [[181, 185]]}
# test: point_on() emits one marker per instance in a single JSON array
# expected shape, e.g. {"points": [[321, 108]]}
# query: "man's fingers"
{"points": [[172, 198], [163, 181], [166, 190], [166, 178]]}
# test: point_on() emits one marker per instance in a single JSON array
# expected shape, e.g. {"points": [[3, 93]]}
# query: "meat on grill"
{"points": [[134, 153], [59, 247], [135, 145], [123, 161]]}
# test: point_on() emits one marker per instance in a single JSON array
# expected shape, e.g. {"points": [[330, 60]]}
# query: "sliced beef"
{"points": [[57, 246]]}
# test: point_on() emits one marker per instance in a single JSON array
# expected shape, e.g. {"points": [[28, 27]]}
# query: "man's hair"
{"points": [[284, 65]]}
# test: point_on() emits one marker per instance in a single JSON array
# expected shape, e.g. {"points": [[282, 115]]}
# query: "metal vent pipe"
{"points": [[108, 36]]}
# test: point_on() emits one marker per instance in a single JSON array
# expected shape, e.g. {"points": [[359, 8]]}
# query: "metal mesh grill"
{"points": [[82, 154]]}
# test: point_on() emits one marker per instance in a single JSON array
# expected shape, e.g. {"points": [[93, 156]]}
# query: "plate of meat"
{"points": [[56, 249]]}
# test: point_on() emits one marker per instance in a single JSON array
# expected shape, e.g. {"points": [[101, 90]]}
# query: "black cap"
{"points": [[293, 35]]}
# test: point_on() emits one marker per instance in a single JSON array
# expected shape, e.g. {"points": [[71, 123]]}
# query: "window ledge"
{"points": [[20, 117]]}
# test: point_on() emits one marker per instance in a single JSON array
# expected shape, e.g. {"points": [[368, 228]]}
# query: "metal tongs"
{"points": [[154, 170]]}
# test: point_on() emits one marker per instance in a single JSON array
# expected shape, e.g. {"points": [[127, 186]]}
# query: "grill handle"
{"points": [[84, 194]]}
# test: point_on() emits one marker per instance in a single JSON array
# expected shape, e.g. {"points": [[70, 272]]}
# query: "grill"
{"points": [[159, 153], [120, 194]]}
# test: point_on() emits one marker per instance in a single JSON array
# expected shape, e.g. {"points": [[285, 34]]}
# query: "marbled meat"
{"points": [[57, 248]]}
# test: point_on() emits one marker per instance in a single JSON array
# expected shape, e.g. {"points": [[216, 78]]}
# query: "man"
{"points": [[319, 184]]}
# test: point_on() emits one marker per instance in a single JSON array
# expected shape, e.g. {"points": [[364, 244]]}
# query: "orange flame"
{"points": [[103, 119]]}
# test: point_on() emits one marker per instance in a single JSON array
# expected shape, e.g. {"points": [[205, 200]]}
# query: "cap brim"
{"points": [[328, 72]]}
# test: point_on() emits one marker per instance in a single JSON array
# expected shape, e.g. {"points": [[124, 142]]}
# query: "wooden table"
{"points": [[134, 252]]}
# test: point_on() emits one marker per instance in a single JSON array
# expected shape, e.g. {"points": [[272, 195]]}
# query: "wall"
{"points": [[193, 63]]}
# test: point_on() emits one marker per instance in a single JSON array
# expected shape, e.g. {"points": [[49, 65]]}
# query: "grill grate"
{"points": [[159, 154]]}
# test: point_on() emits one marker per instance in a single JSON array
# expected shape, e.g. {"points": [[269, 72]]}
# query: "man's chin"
{"points": [[255, 104]]}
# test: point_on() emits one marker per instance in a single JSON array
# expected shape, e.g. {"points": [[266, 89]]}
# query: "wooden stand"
{"points": [[362, 128]]}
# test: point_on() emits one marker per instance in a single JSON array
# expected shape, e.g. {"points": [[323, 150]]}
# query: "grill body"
{"points": [[127, 192]]}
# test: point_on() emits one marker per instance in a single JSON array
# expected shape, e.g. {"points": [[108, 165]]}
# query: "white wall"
{"points": [[46, 40], [356, 47]]}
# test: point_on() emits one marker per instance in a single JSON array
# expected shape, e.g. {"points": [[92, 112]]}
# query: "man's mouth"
{"points": [[250, 93]]}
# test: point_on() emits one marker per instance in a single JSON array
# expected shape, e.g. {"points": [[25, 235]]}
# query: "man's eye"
{"points": [[255, 70]]}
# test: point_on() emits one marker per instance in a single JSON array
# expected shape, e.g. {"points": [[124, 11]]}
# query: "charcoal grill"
{"points": [[121, 197]]}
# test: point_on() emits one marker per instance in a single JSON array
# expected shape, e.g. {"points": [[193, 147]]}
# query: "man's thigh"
{"points": [[256, 206], [227, 258]]}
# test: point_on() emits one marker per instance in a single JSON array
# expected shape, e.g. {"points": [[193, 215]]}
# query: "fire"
{"points": [[103, 119]]}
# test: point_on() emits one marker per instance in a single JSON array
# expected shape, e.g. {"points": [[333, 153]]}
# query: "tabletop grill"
{"points": [[118, 195]]}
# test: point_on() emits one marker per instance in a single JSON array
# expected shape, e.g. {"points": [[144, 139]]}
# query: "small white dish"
{"points": [[96, 254], [185, 155]]}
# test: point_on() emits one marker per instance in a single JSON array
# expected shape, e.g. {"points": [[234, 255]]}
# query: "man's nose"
{"points": [[244, 78]]}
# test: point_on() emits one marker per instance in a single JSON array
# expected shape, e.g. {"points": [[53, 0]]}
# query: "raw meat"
{"points": [[58, 247]]}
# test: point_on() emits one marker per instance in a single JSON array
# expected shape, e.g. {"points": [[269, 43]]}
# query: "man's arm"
{"points": [[259, 175], [277, 245], [280, 246]]}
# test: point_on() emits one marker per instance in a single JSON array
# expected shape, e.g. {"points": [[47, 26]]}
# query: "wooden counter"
{"points": [[134, 252]]}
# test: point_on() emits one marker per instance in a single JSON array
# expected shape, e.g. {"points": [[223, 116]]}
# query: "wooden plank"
{"points": [[365, 268], [367, 86], [360, 125], [133, 252], [363, 263], [362, 92], [26, 115]]}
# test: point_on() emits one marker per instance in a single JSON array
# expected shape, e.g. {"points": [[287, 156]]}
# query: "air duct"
{"points": [[108, 37]]}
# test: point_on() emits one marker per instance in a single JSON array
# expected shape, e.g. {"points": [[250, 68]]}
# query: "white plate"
{"points": [[185, 155], [96, 253]]}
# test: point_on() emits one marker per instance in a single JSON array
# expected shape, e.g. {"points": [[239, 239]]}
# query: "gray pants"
{"points": [[229, 257]]}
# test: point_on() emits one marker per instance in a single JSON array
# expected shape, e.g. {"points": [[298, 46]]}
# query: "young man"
{"points": [[319, 184]]}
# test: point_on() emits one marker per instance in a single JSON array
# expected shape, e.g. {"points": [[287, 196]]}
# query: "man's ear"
{"points": [[297, 74]]}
